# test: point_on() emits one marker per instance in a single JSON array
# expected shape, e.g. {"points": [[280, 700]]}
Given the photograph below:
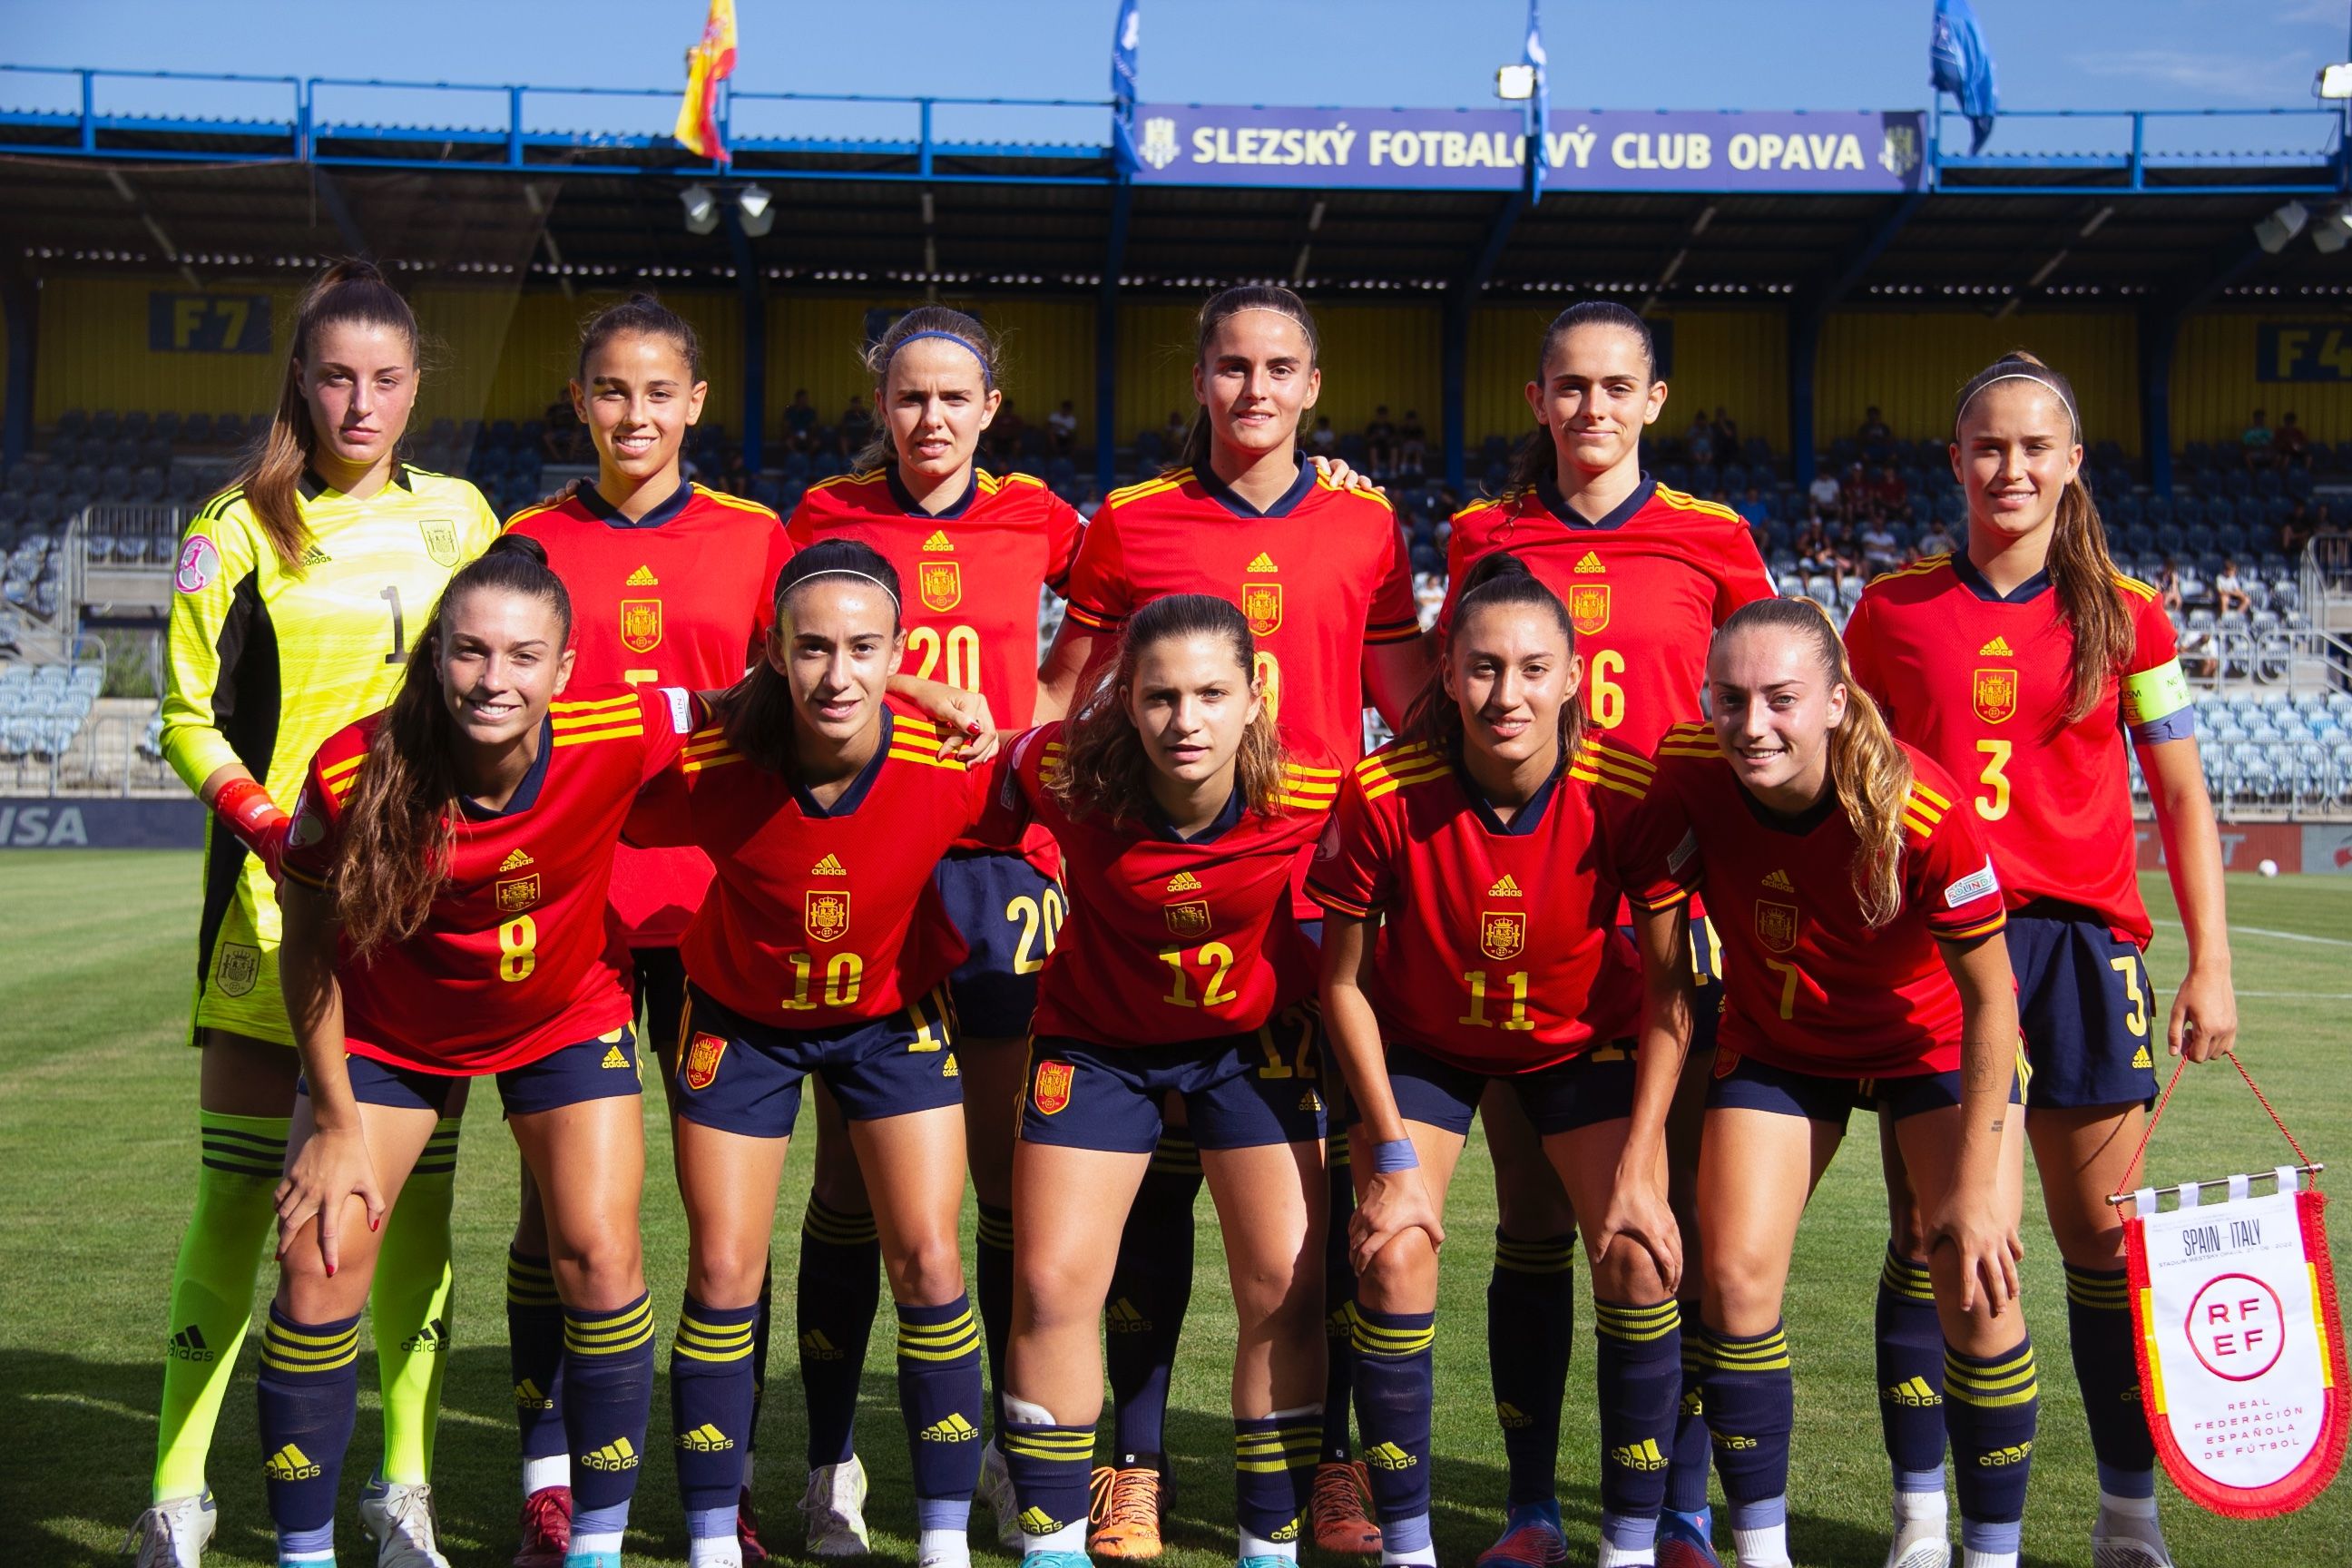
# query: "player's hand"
{"points": [[1637, 1216], [1394, 1201], [333, 1167], [1336, 471], [2204, 1015], [971, 738], [1990, 1252]]}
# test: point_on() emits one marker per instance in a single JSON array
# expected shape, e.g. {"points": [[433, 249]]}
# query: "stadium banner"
{"points": [[100, 822], [2327, 848], [2244, 846], [2240, 1344], [2303, 350], [1850, 152]]}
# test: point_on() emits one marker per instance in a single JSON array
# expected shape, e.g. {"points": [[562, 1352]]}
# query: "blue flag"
{"points": [[1532, 54], [1960, 63], [1123, 44]]}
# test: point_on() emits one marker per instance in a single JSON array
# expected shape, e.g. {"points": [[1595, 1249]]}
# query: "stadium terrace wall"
{"points": [[1911, 363], [2221, 372]]}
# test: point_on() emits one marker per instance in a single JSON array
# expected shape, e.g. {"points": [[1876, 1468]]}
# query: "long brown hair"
{"points": [[2081, 571], [1501, 581], [756, 712], [349, 292], [393, 855], [1221, 307], [879, 451], [1103, 764], [1869, 771], [1537, 456]]}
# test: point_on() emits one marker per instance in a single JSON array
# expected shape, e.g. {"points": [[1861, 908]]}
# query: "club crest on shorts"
{"points": [[1189, 919], [1995, 694], [1051, 1088], [641, 624], [1262, 607], [1776, 925], [239, 967], [440, 541], [1725, 1062], [1588, 606], [517, 894], [941, 584], [700, 1068], [1502, 933], [826, 914]]}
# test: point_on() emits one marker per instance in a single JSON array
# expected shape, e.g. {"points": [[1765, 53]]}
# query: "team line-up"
{"points": [[1660, 879]]}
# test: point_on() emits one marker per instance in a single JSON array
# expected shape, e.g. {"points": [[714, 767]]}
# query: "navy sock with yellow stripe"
{"points": [[1910, 1373], [1274, 1471], [308, 1395], [1687, 1469], [1991, 1405], [992, 1278], [1050, 1468], [608, 1389], [2099, 1334], [939, 1395], [760, 1327], [1751, 1404], [836, 1290], [710, 1406], [1395, 1392], [1640, 1376], [1530, 1331], [1151, 1287], [535, 1354], [1339, 1305]]}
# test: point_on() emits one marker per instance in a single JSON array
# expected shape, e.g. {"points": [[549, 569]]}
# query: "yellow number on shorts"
{"points": [[1266, 670], [1997, 754], [1216, 957], [961, 647], [1788, 973], [517, 948], [2136, 1019], [1040, 916], [1476, 979], [1608, 697], [844, 977], [1299, 1065]]}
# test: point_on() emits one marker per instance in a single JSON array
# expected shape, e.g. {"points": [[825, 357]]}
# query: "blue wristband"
{"points": [[1396, 1154]]}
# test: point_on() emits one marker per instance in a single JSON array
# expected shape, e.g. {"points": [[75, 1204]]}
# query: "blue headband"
{"points": [[986, 379]]}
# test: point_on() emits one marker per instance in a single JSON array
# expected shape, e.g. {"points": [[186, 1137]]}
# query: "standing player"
{"points": [[445, 918], [1183, 811], [1861, 916], [821, 950], [296, 591], [1646, 573], [673, 586], [980, 552], [1491, 845], [1323, 578], [2022, 665]]}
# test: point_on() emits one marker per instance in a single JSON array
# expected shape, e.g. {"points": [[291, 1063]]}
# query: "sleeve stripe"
{"points": [[1665, 901], [1394, 782], [1331, 900], [1094, 620], [1580, 772], [714, 760], [299, 875], [1930, 797], [1396, 632], [1984, 928], [1303, 805], [334, 771], [560, 709], [589, 737]]}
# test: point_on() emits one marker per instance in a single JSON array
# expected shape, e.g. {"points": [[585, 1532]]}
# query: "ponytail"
{"points": [[393, 855], [1220, 309], [1536, 456], [756, 712], [1499, 581]]}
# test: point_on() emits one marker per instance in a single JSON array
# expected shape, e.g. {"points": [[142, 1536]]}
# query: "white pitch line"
{"points": [[2302, 996], [2290, 936]]}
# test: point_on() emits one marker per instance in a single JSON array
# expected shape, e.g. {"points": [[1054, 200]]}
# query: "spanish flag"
{"points": [[709, 63]]}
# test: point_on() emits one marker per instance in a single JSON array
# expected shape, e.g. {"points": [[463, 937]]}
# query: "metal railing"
{"points": [[107, 754]]}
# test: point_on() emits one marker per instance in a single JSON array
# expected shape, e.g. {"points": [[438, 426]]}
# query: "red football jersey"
{"points": [[1499, 947], [1980, 682], [1646, 587], [821, 916], [972, 575], [682, 596], [1808, 986], [521, 955], [1168, 939]]}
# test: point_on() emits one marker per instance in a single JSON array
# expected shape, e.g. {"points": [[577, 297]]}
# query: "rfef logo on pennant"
{"points": [[1051, 1089]]}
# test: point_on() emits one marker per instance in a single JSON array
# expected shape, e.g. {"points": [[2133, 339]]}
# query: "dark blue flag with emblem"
{"points": [[1539, 150], [1960, 63], [1122, 85]]}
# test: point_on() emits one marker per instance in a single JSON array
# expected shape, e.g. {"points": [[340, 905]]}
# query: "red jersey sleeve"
{"points": [[1947, 866], [1654, 845], [311, 837], [780, 549], [1066, 532], [1395, 615], [1740, 576], [1354, 868], [1012, 781], [1100, 593], [1862, 654]]}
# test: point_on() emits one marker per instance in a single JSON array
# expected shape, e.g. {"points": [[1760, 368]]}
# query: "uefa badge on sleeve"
{"points": [[2241, 1345]]}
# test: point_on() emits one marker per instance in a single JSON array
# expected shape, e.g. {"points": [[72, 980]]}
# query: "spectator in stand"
{"points": [[734, 477], [1824, 491], [1937, 541], [1175, 431], [2296, 531], [1062, 428], [2291, 443], [2229, 590], [2167, 586], [800, 422], [560, 440], [1006, 432], [1698, 441], [1412, 444], [1886, 491], [855, 427], [1853, 489], [1380, 443], [1727, 434], [1879, 551], [1873, 436], [1323, 440], [2259, 441], [1818, 553], [1754, 508]]}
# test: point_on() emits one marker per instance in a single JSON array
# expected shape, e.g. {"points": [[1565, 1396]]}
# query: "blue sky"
{"points": [[1727, 54]]}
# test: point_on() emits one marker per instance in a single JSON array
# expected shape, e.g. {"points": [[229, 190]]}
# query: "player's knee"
{"points": [[929, 1272], [1740, 1299], [1628, 1274], [603, 1269], [1402, 1276], [1284, 1300], [726, 1271], [1905, 1231]]}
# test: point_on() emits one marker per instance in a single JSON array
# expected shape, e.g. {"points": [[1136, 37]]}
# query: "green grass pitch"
{"points": [[98, 1147]]}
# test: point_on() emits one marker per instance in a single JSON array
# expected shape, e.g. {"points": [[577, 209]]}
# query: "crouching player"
{"points": [[1488, 843], [445, 918], [1862, 920]]}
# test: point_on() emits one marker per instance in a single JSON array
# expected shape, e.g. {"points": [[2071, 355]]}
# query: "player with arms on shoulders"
{"points": [[1490, 846], [1860, 919], [297, 589], [2025, 666], [446, 919], [672, 584]]}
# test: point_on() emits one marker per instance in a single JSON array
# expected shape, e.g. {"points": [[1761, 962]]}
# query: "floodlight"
{"points": [[1515, 84], [2334, 81], [2334, 231], [755, 210], [2273, 233], [701, 209]]}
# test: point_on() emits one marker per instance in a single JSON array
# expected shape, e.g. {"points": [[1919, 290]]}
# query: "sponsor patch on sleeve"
{"points": [[1683, 852], [199, 565], [1972, 887], [681, 709]]}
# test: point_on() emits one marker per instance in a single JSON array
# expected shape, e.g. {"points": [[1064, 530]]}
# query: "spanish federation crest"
{"points": [[1262, 607], [1588, 606], [641, 624], [239, 967], [1051, 1088], [700, 1069], [826, 914], [1994, 692], [1502, 933], [517, 894], [1159, 145], [1189, 920], [941, 583], [1776, 925], [440, 542]]}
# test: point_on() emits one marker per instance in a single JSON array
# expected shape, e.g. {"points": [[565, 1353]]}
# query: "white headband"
{"points": [[2041, 381], [846, 571]]}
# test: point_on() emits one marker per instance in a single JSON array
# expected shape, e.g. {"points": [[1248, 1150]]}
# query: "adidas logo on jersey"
{"points": [[1310, 1101], [952, 1428], [432, 1338], [615, 1057], [314, 556], [947, 1067], [1263, 562], [1511, 1416], [643, 577], [816, 1347], [705, 1439], [1641, 1455], [1590, 563], [289, 1463], [514, 862], [1779, 881], [528, 1396], [1507, 887], [1123, 1319], [1914, 1392], [1183, 882], [2140, 1059], [1388, 1457], [938, 543], [188, 1344], [1996, 648], [616, 1455], [830, 865]]}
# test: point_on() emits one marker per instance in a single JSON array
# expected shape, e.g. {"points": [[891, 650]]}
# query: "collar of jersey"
{"points": [[611, 516], [1974, 581], [1798, 827], [526, 793], [914, 509], [312, 487], [1229, 815], [1223, 494], [855, 795], [1527, 818], [1548, 491]]}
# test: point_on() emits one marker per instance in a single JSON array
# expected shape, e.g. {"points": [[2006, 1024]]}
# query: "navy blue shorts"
{"points": [[1743, 1083], [1240, 1091], [2085, 1008], [1707, 1001], [739, 1076], [1580, 1092], [1009, 914], [601, 1069]]}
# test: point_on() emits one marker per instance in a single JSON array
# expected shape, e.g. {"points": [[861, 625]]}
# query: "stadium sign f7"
{"points": [[1484, 148]]}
